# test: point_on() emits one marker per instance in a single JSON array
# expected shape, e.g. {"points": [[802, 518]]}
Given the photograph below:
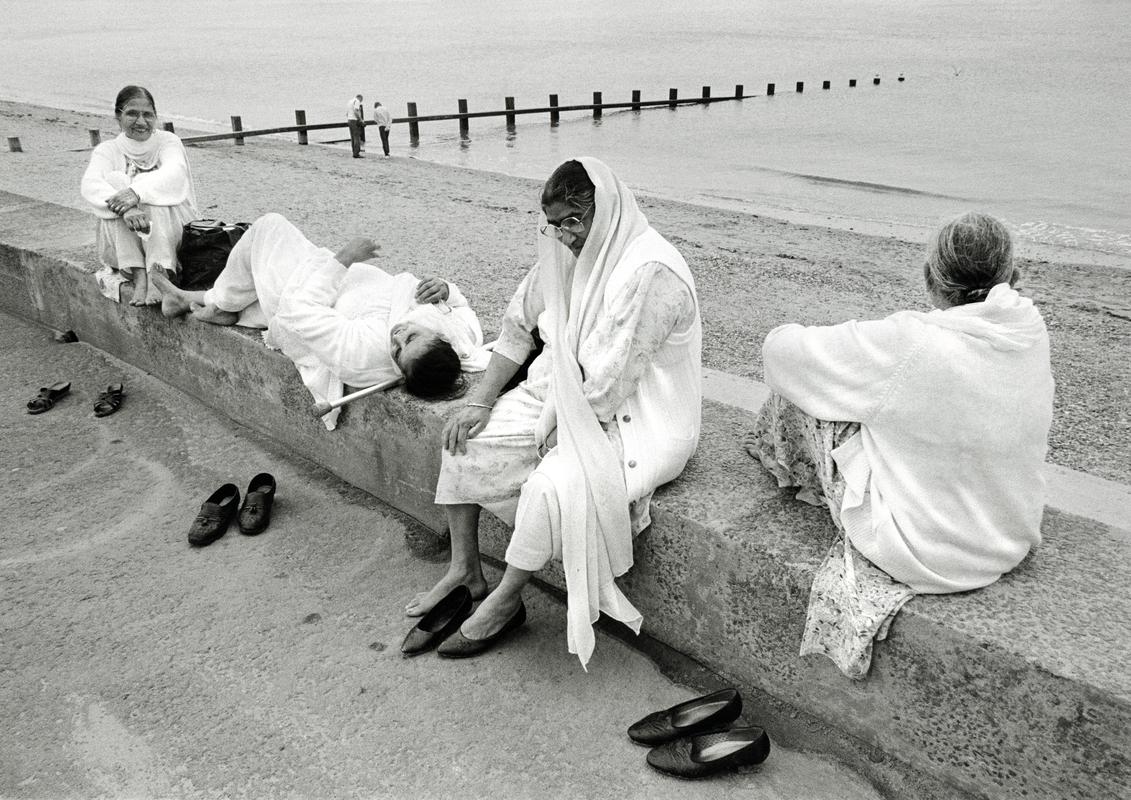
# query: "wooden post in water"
{"points": [[851, 83], [237, 126], [706, 93], [463, 126], [14, 144], [554, 110], [413, 125], [738, 93], [673, 95], [800, 87], [596, 105], [769, 90], [169, 127], [509, 103], [300, 119], [826, 84], [635, 99], [95, 137]]}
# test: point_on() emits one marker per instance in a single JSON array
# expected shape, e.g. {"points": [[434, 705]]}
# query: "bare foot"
{"points": [[425, 601], [154, 293], [174, 302], [751, 444], [141, 287], [214, 316], [491, 615]]}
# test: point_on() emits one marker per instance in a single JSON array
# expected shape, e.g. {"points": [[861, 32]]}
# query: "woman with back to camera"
{"points": [[924, 434], [609, 411], [141, 189]]}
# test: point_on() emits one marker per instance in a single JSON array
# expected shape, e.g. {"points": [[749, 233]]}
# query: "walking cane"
{"points": [[322, 408]]}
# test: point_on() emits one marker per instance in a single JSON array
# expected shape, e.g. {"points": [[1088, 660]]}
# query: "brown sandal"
{"points": [[110, 400]]}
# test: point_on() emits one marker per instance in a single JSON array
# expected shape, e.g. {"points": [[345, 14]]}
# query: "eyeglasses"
{"points": [[573, 225]]}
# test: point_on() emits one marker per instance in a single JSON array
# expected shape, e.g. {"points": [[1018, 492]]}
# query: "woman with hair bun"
{"points": [[141, 189], [924, 434]]}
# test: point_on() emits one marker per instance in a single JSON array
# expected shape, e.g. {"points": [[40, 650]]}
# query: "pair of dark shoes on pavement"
{"points": [[107, 403], [223, 506], [699, 737], [440, 628]]}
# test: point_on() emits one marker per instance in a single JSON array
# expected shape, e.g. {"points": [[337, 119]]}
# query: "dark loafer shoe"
{"points": [[706, 754], [707, 713], [441, 622], [255, 514], [216, 514], [459, 646]]}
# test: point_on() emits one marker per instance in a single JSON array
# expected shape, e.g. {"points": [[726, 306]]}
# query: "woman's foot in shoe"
{"points": [[492, 614], [426, 601]]}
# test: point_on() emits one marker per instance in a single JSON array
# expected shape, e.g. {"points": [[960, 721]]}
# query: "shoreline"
{"points": [[476, 228], [914, 232]]}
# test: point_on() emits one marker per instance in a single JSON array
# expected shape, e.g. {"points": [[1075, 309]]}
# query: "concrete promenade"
{"points": [[133, 666]]}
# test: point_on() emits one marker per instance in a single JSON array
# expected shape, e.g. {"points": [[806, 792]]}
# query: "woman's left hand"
{"points": [[123, 201], [431, 290]]}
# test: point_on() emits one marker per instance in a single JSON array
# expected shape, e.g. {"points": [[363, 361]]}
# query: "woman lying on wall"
{"points": [[141, 189], [609, 411], [924, 434], [340, 320]]}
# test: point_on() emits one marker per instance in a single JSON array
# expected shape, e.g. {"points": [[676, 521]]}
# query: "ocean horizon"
{"points": [[1017, 107]]}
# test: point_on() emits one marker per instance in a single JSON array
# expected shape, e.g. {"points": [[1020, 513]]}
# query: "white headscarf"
{"points": [[595, 527]]}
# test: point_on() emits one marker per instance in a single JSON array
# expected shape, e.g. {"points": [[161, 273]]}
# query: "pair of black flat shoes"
{"points": [[223, 506], [698, 738], [107, 403], [439, 628]]}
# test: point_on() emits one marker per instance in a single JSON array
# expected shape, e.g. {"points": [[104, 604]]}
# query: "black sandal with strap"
{"points": [[110, 400], [47, 397]]}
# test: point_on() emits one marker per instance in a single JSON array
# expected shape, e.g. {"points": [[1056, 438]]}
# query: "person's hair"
{"points": [[967, 257], [434, 372], [128, 93], [570, 184]]}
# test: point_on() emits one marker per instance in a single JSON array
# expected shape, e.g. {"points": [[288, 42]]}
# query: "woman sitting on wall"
{"points": [[609, 411], [141, 189], [924, 434]]}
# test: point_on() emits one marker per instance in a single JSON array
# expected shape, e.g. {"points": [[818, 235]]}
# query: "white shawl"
{"points": [[595, 527]]}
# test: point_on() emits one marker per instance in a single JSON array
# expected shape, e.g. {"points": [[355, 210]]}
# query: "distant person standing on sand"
{"points": [[923, 434], [383, 119], [141, 189], [355, 114]]}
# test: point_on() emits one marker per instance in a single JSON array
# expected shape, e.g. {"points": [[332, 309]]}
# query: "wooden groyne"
{"points": [[553, 110]]}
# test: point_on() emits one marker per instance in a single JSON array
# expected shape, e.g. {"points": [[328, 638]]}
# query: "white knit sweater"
{"points": [[945, 486]]}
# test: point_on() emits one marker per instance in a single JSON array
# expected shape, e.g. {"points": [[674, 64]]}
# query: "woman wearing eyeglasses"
{"points": [[609, 410]]}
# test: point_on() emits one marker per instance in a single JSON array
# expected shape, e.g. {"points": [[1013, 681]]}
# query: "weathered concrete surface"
{"points": [[1020, 690], [134, 666]]}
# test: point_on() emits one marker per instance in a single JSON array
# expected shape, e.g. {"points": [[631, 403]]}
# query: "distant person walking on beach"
{"points": [[383, 120], [340, 320], [355, 115], [923, 434], [141, 189], [609, 411]]}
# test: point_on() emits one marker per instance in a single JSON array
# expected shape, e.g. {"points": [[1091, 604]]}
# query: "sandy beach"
{"points": [[477, 229]]}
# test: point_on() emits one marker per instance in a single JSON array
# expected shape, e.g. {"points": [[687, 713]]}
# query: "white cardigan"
{"points": [[945, 485]]}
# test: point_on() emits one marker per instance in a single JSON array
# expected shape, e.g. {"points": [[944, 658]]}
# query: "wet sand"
{"points": [[477, 229]]}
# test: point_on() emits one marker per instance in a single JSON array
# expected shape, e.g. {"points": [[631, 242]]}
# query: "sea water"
{"points": [[1017, 107]]}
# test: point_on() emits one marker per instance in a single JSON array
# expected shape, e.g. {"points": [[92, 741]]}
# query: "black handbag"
{"points": [[203, 252]]}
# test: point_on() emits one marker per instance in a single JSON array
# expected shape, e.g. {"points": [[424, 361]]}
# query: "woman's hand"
{"points": [[123, 201], [136, 220], [432, 290], [463, 425], [360, 249]]}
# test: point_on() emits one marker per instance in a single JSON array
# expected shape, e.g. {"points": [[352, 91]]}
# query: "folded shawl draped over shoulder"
{"points": [[595, 524]]}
